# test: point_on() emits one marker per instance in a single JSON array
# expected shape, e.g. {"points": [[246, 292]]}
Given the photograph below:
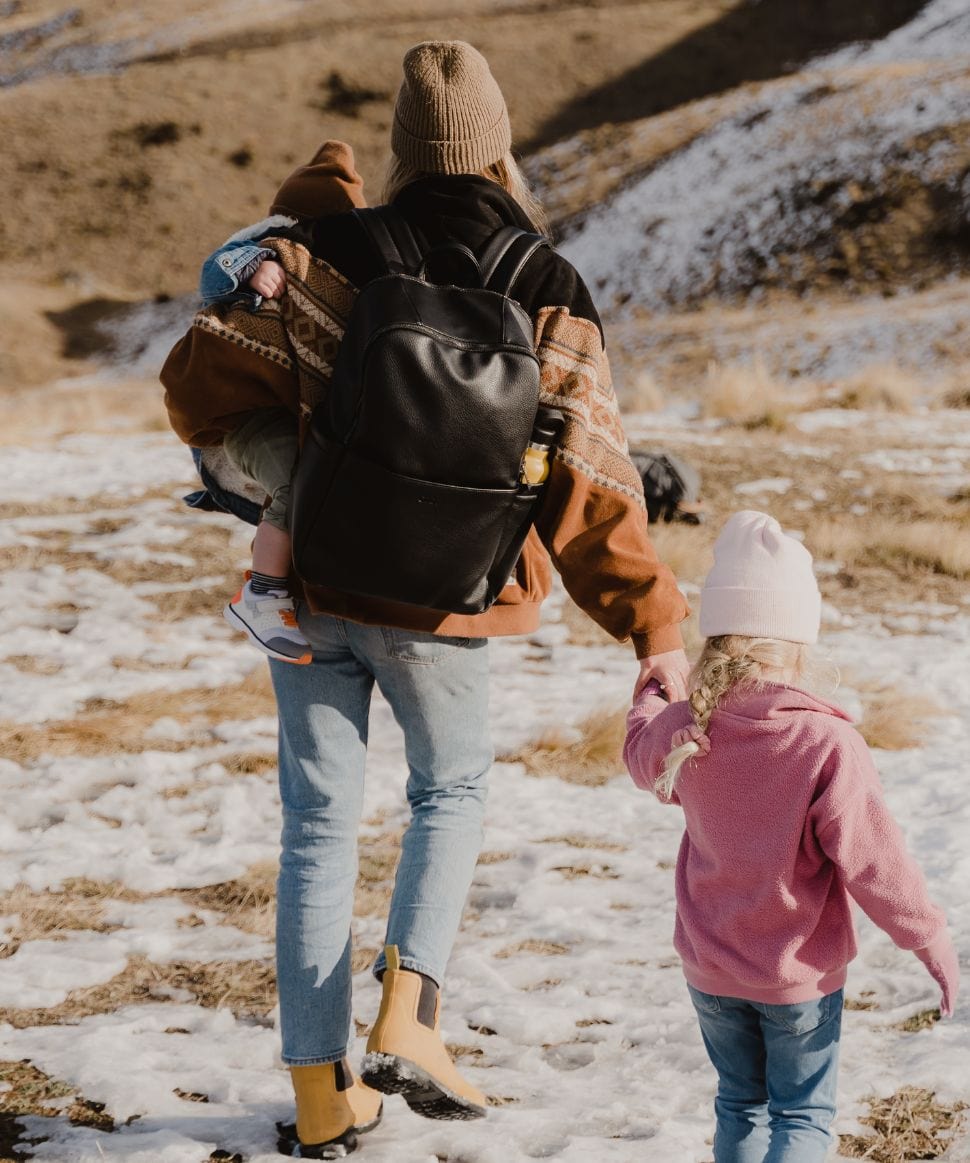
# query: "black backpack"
{"points": [[671, 487], [408, 483]]}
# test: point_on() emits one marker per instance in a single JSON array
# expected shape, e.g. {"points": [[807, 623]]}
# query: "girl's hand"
{"points": [[268, 280], [940, 959], [691, 734], [670, 669]]}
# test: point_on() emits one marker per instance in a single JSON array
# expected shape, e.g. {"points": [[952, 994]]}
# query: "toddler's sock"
{"points": [[265, 583]]}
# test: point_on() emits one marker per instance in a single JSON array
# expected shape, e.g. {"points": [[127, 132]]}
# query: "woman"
{"points": [[453, 179]]}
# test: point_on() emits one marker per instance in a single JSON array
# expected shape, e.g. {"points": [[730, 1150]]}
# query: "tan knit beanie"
{"points": [[450, 116]]}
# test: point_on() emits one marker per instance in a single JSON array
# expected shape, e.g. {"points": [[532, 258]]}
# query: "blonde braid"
{"points": [[726, 662]]}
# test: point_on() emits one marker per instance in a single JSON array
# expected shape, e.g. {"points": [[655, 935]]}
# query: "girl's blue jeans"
{"points": [[437, 688], [777, 1068]]}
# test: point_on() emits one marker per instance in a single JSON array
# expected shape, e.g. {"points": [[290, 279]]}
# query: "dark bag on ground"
{"points": [[671, 487], [408, 486]]}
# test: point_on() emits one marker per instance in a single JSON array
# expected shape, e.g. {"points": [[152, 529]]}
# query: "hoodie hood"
{"points": [[775, 701], [330, 184], [465, 206]]}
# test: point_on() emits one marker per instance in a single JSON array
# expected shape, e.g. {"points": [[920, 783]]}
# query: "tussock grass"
{"points": [[641, 393], [688, 550], [583, 631], [910, 1124], [880, 388], [592, 759], [934, 546], [747, 396], [894, 719]]}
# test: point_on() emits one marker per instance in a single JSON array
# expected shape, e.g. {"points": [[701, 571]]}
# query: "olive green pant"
{"points": [[265, 448]]}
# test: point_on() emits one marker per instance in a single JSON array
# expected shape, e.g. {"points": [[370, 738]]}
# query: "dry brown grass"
{"points": [[930, 546], [247, 988], [581, 871], [28, 1091], [583, 631], [688, 550], [641, 393], [248, 902], [534, 945], [378, 857], [105, 727], [910, 1124], [881, 388], [923, 1020], [593, 759], [77, 906], [894, 719], [746, 396], [573, 840]]}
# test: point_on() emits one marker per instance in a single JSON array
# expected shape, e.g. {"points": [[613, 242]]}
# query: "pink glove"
{"points": [[670, 669], [940, 959]]}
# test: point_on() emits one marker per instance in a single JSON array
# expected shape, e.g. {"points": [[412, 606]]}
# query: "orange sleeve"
{"points": [[593, 521]]}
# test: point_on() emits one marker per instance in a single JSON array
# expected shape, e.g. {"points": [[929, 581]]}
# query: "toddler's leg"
{"points": [[802, 1043], [732, 1036], [265, 448]]}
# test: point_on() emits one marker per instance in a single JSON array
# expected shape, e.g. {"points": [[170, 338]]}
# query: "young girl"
{"points": [[264, 444], [785, 821]]}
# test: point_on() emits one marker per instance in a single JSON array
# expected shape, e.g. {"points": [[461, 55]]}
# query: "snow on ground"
{"points": [[721, 214], [585, 1035]]}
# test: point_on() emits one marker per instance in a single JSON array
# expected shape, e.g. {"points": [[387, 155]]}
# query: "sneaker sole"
{"points": [[237, 623], [391, 1074]]}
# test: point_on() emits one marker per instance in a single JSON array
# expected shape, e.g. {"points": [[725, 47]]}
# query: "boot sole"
{"points": [[391, 1074], [343, 1145], [238, 623]]}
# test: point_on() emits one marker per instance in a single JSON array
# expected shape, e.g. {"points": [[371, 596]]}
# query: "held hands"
{"points": [[691, 734], [269, 279], [670, 669], [940, 959]]}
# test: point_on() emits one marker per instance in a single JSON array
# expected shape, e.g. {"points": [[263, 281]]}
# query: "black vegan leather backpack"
{"points": [[408, 486]]}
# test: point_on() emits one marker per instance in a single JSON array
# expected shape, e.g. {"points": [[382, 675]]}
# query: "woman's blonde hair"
{"points": [[726, 662], [505, 173]]}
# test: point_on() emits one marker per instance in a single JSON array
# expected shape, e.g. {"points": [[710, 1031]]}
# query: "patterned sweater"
{"points": [[592, 523]]}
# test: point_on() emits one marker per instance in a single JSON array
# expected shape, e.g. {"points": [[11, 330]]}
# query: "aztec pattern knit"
{"points": [[593, 521]]}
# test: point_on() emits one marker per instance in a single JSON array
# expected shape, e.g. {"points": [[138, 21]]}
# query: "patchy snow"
{"points": [[723, 213], [586, 871]]}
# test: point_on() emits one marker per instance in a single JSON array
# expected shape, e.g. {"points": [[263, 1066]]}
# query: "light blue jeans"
{"points": [[777, 1067], [437, 688]]}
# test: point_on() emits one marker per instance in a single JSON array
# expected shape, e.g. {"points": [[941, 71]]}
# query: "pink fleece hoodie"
{"points": [[785, 821]]}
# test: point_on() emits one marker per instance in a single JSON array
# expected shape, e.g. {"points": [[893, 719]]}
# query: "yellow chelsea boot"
{"points": [[405, 1054], [332, 1109]]}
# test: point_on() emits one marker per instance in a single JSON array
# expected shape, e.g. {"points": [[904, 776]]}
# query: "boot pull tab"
{"points": [[392, 958]]}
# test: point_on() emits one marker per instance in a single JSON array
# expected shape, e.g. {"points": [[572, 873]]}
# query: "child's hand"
{"points": [[671, 669], [269, 279], [940, 959], [691, 734]]}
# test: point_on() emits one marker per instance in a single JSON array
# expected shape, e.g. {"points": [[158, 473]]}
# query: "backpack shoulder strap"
{"points": [[505, 255], [392, 237]]}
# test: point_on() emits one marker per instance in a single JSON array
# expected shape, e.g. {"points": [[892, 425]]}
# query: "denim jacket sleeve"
{"points": [[226, 269]]}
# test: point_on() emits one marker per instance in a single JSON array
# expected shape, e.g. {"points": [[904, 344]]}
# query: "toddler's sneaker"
{"points": [[270, 622]]}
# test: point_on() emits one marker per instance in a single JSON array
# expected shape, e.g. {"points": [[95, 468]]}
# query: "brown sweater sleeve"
{"points": [[593, 520]]}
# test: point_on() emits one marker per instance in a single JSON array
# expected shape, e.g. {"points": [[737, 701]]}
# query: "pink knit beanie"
{"points": [[762, 583]]}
